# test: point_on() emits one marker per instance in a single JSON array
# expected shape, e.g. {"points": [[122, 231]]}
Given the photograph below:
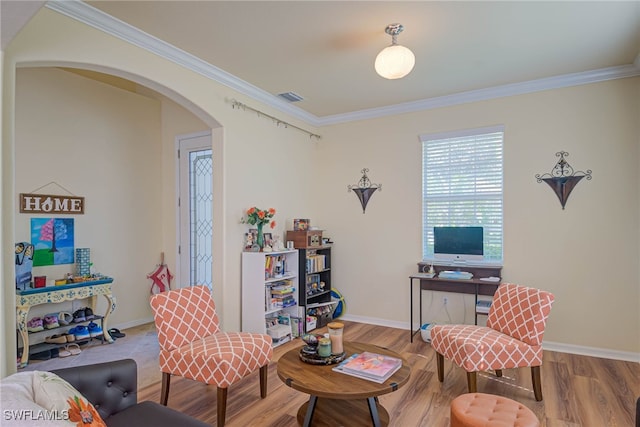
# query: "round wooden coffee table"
{"points": [[336, 398]]}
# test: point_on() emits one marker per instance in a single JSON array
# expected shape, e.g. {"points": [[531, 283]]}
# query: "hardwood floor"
{"points": [[577, 390]]}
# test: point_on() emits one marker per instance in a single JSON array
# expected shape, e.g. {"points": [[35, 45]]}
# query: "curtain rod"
{"points": [[277, 121]]}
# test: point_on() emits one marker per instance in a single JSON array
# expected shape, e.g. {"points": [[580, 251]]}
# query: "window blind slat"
{"points": [[462, 185]]}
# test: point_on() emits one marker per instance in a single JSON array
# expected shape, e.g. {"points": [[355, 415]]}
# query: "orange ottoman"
{"points": [[484, 410]]}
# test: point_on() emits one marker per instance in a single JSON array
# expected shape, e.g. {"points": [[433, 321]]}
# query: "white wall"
{"points": [[104, 144], [587, 254], [7, 294]]}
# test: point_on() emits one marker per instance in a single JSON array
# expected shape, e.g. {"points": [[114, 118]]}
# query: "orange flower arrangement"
{"points": [[260, 217]]}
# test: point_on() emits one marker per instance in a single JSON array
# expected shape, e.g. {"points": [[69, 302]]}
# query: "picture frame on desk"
{"points": [[250, 241]]}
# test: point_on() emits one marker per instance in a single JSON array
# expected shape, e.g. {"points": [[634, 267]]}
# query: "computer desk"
{"points": [[472, 286]]}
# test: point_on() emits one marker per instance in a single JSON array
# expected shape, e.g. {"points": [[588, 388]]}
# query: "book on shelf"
{"points": [[370, 366], [297, 326], [284, 303], [274, 266], [279, 303], [315, 263], [282, 290]]}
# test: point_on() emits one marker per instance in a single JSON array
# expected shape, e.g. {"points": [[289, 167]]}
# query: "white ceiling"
{"points": [[324, 50], [15, 14]]}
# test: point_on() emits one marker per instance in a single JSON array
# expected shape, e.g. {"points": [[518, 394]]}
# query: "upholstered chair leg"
{"points": [[537, 385], [472, 382], [222, 406], [440, 363], [164, 392], [498, 372], [263, 380]]}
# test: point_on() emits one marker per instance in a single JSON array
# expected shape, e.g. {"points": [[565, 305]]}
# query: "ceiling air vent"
{"points": [[290, 96]]}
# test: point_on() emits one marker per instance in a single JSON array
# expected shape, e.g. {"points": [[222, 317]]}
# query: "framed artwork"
{"points": [[300, 224], [52, 240], [268, 239]]}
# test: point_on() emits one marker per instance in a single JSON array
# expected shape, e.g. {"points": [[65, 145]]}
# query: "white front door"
{"points": [[195, 210]]}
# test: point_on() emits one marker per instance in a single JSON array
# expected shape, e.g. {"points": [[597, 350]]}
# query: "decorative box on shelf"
{"points": [[305, 238]]}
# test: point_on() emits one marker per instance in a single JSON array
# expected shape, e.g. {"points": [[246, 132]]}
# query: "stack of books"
{"points": [[280, 295], [370, 366]]}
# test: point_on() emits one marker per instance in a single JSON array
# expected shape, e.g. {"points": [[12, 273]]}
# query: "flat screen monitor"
{"points": [[458, 244]]}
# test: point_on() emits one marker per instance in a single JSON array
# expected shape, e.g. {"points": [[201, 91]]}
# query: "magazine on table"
{"points": [[370, 366]]}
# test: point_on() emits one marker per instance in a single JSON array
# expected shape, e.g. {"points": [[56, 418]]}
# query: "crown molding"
{"points": [[95, 18], [548, 83]]}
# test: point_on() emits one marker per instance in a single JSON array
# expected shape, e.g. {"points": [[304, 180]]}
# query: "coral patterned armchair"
{"points": [[193, 346], [511, 339]]}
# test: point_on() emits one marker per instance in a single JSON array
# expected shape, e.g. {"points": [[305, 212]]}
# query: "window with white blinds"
{"points": [[462, 185]]}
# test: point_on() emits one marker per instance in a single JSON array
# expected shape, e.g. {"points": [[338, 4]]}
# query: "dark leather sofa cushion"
{"points": [[111, 387], [149, 413]]}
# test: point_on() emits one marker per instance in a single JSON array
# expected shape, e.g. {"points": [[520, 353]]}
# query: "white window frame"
{"points": [[462, 189]]}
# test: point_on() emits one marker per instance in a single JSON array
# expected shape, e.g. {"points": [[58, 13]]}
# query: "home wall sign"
{"points": [[51, 204]]}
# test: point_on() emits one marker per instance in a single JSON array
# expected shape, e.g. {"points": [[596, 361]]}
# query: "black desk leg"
{"points": [[420, 296], [373, 410], [411, 308], [309, 415]]}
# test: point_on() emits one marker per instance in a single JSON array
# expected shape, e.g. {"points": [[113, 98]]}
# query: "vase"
{"points": [[260, 238]]}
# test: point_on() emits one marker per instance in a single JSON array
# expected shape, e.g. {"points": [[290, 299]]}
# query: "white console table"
{"points": [[56, 294]]}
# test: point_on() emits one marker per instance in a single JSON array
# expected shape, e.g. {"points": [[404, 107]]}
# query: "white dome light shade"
{"points": [[395, 62]]}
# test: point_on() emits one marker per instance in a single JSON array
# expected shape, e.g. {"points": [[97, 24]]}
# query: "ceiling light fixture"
{"points": [[395, 61]]}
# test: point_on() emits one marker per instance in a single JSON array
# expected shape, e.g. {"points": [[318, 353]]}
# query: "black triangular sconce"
{"points": [[562, 178], [364, 189]]}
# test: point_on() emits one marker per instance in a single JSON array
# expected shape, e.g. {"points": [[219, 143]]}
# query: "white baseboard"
{"points": [[132, 323], [547, 345], [605, 353], [376, 321]]}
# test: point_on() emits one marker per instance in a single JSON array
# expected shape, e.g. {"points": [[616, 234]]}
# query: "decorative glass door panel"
{"points": [[196, 211]]}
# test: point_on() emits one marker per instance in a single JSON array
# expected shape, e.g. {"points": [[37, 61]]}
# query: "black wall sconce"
{"points": [[364, 189], [562, 178]]}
